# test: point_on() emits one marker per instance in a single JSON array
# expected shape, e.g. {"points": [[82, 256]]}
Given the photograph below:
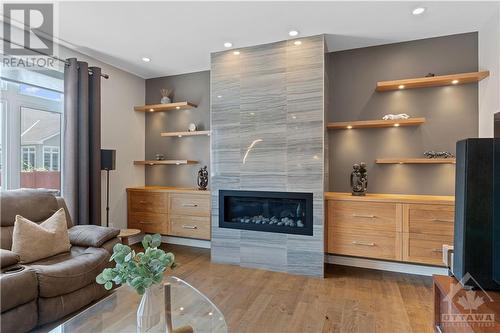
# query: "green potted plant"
{"points": [[142, 271]]}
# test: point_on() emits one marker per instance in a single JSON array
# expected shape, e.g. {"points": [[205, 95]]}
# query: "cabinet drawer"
{"points": [[190, 226], [370, 216], [431, 219], [149, 222], [383, 245], [190, 204], [425, 249], [149, 202]]}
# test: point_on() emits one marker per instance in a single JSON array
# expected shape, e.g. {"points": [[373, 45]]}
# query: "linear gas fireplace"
{"points": [[283, 212]]}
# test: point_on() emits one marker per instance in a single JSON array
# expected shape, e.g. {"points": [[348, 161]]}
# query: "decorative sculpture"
{"points": [[165, 96], [203, 178], [192, 127], [438, 154], [359, 179], [391, 116], [160, 157]]}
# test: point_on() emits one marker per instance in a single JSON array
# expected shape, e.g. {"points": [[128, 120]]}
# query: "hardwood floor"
{"points": [[347, 300]]}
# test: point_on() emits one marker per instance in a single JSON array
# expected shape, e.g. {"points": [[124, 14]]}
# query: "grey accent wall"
{"points": [[451, 112], [193, 87], [273, 93]]}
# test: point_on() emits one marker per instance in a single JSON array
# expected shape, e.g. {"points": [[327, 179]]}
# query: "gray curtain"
{"points": [[82, 142]]}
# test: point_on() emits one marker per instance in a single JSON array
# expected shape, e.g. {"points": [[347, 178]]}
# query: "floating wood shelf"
{"points": [[433, 81], [422, 160], [375, 123], [165, 107], [165, 162], [181, 134]]}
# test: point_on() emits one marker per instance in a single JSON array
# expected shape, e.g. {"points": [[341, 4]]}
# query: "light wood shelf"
{"points": [[375, 123], [165, 107], [422, 160], [165, 162], [181, 134], [433, 81]]}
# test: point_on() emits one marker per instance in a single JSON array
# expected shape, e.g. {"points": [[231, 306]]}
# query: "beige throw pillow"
{"points": [[32, 241]]}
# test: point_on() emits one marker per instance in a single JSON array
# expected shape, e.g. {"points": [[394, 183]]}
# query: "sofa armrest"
{"points": [[8, 258], [91, 235]]}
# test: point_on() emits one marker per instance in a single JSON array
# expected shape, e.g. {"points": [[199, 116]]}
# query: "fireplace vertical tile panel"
{"points": [[267, 121]]}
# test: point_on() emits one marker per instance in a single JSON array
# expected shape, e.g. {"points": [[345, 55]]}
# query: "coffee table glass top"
{"points": [[190, 311]]}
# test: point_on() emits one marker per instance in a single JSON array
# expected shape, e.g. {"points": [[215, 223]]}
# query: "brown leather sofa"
{"points": [[51, 288]]}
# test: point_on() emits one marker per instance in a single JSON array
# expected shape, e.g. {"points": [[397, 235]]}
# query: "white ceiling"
{"points": [[179, 36]]}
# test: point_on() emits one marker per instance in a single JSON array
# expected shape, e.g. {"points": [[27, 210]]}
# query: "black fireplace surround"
{"points": [[282, 212]]}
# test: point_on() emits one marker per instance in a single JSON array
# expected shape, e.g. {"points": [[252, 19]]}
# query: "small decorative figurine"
{"points": [[391, 116], [359, 179], [438, 154], [165, 96], [160, 157], [203, 178], [192, 127]]}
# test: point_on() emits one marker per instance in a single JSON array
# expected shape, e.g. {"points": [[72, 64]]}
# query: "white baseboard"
{"points": [[186, 241], [385, 265]]}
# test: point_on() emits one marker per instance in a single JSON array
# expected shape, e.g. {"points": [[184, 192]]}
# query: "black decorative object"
{"points": [[438, 154], [108, 162], [203, 178], [359, 179]]}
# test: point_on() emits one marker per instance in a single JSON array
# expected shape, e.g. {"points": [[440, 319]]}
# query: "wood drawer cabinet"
{"points": [[391, 227], [170, 211], [190, 226]]}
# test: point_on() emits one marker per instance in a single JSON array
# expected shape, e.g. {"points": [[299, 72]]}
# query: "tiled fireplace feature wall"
{"points": [[268, 128]]}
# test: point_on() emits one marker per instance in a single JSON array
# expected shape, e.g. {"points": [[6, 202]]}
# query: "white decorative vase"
{"points": [[165, 100], [149, 310]]}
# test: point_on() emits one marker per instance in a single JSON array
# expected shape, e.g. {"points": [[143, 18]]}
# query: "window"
{"points": [[28, 158], [51, 158], [31, 129]]}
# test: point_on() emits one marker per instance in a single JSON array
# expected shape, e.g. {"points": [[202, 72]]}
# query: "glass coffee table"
{"points": [[188, 311]]}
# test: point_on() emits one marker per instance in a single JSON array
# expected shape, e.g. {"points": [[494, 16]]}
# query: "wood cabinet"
{"points": [[169, 211], [408, 228]]}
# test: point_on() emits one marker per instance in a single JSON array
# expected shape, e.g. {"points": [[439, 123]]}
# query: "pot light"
{"points": [[297, 42], [418, 11], [177, 107], [228, 44], [146, 59], [349, 127], [236, 52], [454, 82], [396, 125], [293, 33], [151, 110], [401, 86]]}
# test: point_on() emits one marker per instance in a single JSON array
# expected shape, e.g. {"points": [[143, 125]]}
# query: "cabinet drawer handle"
{"points": [[364, 216], [142, 222], [185, 226], [363, 243], [189, 205], [441, 220], [437, 251]]}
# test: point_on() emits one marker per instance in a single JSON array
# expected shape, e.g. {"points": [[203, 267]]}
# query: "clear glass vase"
{"points": [[150, 309]]}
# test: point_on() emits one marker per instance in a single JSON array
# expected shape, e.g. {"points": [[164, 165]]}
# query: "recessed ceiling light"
{"points": [[178, 107], [293, 33], [418, 11], [297, 42], [396, 125], [151, 110], [236, 52], [146, 59], [228, 44], [219, 96], [401, 86], [455, 81], [349, 126]]}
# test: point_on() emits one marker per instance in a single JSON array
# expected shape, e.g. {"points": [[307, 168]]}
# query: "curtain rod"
{"points": [[106, 76]]}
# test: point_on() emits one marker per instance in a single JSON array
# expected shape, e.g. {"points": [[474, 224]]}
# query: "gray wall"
{"points": [[193, 87], [451, 112], [272, 92]]}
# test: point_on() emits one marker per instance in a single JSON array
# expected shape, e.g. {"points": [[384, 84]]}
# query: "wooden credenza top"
{"points": [[396, 198], [169, 189]]}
